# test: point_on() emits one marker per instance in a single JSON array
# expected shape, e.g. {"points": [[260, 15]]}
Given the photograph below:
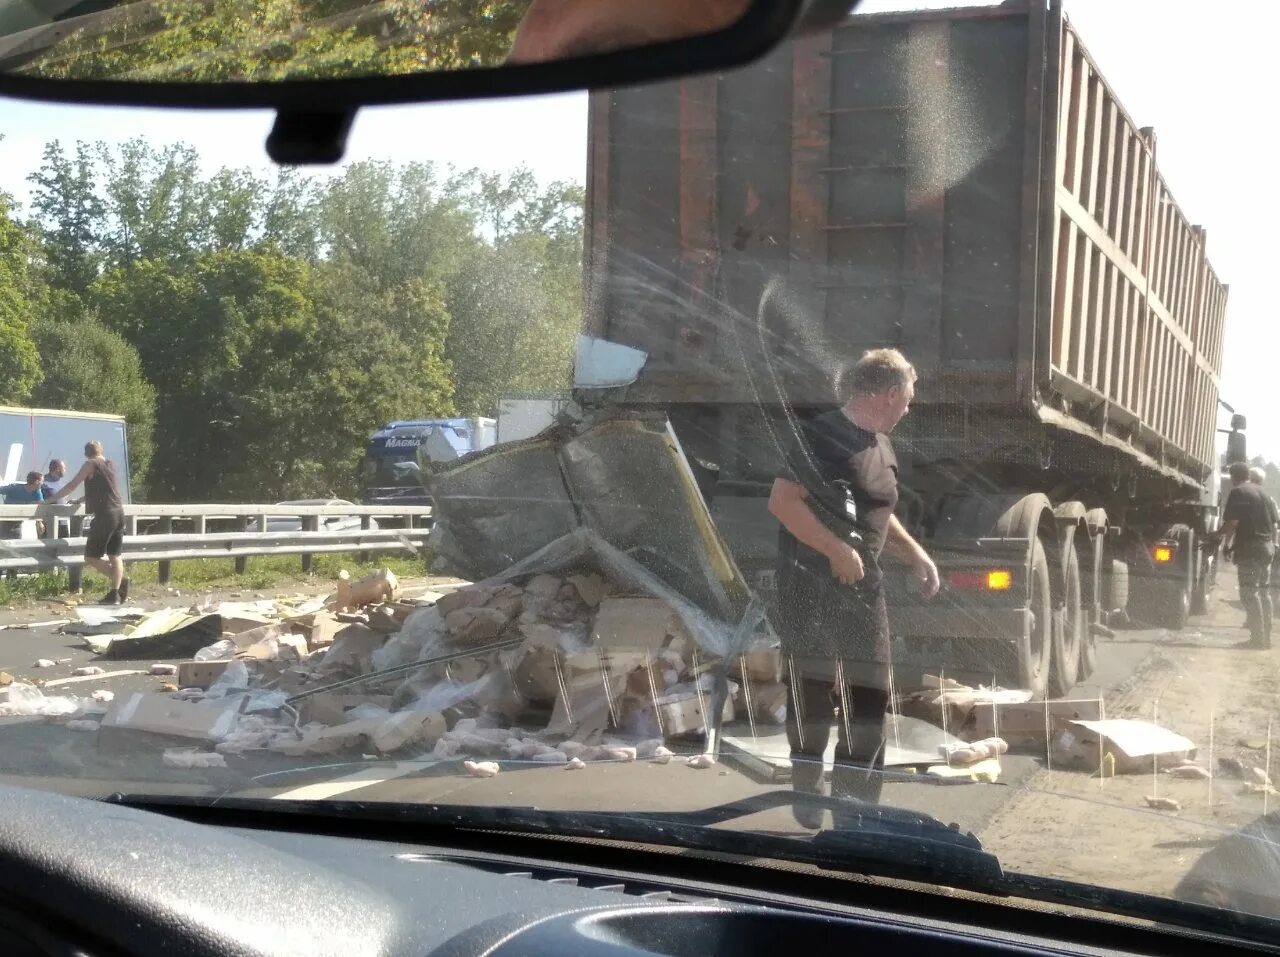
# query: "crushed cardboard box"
{"points": [[590, 649]]}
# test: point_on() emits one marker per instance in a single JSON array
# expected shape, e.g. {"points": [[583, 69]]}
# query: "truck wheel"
{"points": [[1173, 606], [1069, 626], [1035, 647]]}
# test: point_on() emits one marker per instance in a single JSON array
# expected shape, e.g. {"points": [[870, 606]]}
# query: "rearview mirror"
{"points": [[328, 57]]}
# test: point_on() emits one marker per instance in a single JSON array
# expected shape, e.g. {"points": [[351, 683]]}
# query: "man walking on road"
{"points": [[835, 497], [1258, 477], [106, 535], [1249, 528]]}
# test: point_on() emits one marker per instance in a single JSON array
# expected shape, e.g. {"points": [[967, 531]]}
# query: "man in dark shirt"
{"points": [[1249, 528], [102, 500], [835, 498]]}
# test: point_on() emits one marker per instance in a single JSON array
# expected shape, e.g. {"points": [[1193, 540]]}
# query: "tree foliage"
{"points": [[229, 40], [19, 360], [257, 331]]}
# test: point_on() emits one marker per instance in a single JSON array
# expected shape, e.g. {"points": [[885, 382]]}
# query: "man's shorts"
{"points": [[106, 535]]}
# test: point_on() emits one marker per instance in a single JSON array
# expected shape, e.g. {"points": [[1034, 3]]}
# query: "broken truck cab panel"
{"points": [[625, 479]]}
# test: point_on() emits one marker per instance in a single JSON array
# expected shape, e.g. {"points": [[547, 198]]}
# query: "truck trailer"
{"points": [[963, 185]]}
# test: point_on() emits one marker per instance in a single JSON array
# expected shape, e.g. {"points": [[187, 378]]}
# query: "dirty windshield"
{"points": [[889, 421]]}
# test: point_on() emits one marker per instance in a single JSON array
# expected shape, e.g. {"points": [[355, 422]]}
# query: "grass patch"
{"points": [[266, 571]]}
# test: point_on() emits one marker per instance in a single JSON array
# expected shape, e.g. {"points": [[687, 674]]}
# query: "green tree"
{"points": [[231, 344], [156, 203], [515, 319], [396, 224], [19, 358], [71, 215], [89, 368], [376, 373], [223, 40]]}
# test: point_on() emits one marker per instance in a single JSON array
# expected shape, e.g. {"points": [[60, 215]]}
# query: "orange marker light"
{"points": [[1163, 554], [1000, 580]]}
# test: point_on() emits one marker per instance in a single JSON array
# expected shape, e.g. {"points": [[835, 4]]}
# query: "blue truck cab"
{"points": [[391, 473]]}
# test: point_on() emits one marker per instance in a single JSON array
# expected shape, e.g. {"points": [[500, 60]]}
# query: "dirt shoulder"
{"points": [[1080, 826]]}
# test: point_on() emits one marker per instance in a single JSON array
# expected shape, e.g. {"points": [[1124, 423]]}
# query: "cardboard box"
{"points": [[759, 664], [200, 674], [1136, 746], [594, 697], [167, 717], [637, 624], [319, 628], [685, 715], [1023, 725], [330, 707]]}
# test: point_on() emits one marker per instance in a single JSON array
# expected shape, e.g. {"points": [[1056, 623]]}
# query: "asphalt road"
{"points": [[39, 754]]}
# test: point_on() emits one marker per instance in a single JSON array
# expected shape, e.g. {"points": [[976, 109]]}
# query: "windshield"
{"points": [[875, 421]]}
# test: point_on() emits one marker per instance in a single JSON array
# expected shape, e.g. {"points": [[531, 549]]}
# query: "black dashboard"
{"points": [[94, 878]]}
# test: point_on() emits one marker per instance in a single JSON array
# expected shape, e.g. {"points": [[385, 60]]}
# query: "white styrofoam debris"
{"points": [[43, 663], [183, 758], [481, 769], [88, 670], [103, 696], [622, 754], [24, 699], [701, 761], [160, 668], [575, 764], [662, 755]]}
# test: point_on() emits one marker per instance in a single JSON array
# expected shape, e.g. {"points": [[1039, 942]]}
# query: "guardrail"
{"points": [[250, 534]]}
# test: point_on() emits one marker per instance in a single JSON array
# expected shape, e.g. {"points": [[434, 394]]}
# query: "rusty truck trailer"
{"points": [[963, 185]]}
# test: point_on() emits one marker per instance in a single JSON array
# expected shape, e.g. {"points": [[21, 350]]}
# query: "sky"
{"points": [[1199, 73]]}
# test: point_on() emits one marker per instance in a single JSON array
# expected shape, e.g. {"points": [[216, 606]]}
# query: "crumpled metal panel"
{"points": [[625, 479], [498, 506]]}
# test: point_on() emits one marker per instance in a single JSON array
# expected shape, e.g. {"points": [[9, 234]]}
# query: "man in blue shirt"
{"points": [[18, 494]]}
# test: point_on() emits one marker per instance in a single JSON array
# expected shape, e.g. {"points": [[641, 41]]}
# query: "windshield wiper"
{"points": [[877, 840]]}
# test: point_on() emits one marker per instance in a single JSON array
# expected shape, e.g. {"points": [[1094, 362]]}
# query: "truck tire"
{"points": [[1070, 625], [1095, 592], [1117, 594], [1035, 647]]}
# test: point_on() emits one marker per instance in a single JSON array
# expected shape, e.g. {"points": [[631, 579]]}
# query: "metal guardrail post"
{"points": [[242, 561], [164, 570], [310, 523], [75, 573], [366, 523]]}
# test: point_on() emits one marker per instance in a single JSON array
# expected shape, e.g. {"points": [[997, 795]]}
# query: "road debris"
{"points": [[182, 758], [575, 655], [1163, 804], [1189, 772], [44, 663], [1233, 767]]}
